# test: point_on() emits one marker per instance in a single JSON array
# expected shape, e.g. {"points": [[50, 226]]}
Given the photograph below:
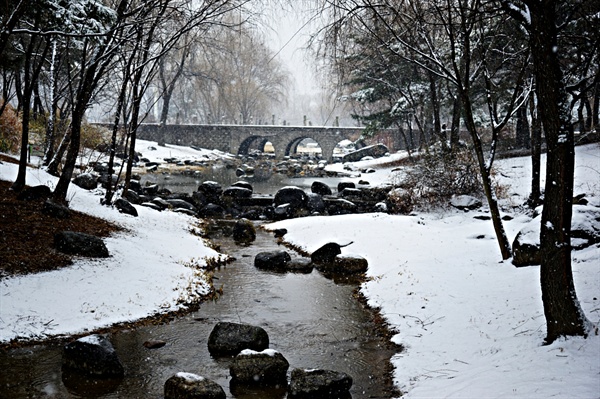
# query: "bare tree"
{"points": [[467, 44], [544, 20]]}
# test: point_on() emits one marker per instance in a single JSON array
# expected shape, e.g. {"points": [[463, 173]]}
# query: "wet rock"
{"points": [[237, 192], [243, 184], [244, 231], [465, 202], [212, 211], [35, 193], [320, 188], [231, 338], [154, 344], [315, 203], [279, 232], [272, 260], [345, 264], [327, 253], [92, 355], [268, 367], [161, 203], [151, 190], [350, 193], [179, 203], [55, 210], [87, 181], [152, 205], [345, 184], [125, 207], [299, 265], [292, 195], [283, 211], [317, 384], [133, 197], [135, 185], [191, 386], [199, 199], [211, 190], [74, 243], [341, 206]]}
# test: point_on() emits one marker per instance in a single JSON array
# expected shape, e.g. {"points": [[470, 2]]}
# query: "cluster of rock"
{"points": [[253, 365], [328, 259]]}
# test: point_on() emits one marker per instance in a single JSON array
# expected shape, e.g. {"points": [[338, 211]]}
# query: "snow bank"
{"points": [[152, 269]]}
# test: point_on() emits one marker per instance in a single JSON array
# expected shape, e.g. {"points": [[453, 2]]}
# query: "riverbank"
{"points": [[156, 266], [471, 325]]}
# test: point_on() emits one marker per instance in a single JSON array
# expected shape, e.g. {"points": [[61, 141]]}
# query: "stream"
{"points": [[314, 321]]}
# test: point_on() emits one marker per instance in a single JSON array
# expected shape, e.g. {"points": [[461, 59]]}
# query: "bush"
{"points": [[10, 130], [434, 179]]}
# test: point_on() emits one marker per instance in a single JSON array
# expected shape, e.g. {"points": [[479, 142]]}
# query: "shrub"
{"points": [[10, 130], [434, 178]]}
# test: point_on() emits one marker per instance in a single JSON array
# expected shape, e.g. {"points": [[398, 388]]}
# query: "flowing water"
{"points": [[314, 321]]}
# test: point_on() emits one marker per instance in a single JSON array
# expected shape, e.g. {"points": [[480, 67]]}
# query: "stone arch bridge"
{"points": [[239, 139]]}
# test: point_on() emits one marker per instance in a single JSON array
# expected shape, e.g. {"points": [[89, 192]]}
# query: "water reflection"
{"points": [[311, 320]]}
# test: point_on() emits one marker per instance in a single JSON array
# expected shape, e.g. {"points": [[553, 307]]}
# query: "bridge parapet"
{"points": [[237, 139]]}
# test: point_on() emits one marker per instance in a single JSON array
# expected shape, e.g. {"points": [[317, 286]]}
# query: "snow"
{"points": [[189, 377], [472, 325], [154, 267], [250, 352]]}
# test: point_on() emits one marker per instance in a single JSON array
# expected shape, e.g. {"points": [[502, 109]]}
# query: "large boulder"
{"points": [[268, 367], [211, 190], [179, 203], [526, 246], [345, 264], [233, 193], [292, 195], [191, 386], [317, 384], [231, 338], [86, 181], [315, 203], [344, 185], [212, 211], [272, 260], [375, 151], [74, 243], [93, 355], [244, 231], [465, 202], [125, 206], [243, 184], [341, 206], [318, 187], [585, 231], [327, 253]]}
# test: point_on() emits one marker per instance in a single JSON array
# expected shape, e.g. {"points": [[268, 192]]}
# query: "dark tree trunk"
{"points": [[523, 135], [455, 128], [564, 316], [435, 109], [536, 153]]}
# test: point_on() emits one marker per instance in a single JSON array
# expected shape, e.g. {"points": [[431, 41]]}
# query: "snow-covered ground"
{"points": [[471, 324], [153, 267]]}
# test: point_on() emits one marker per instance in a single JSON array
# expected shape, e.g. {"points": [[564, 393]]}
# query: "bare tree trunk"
{"points": [[564, 316], [523, 136], [536, 153]]}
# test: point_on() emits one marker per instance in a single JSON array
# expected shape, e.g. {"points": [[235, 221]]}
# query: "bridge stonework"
{"points": [[238, 139]]}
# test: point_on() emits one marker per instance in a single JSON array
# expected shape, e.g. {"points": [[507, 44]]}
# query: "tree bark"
{"points": [[564, 316], [536, 153]]}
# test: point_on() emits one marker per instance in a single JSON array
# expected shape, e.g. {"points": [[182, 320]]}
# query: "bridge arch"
{"points": [[292, 146], [253, 142], [239, 139]]}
